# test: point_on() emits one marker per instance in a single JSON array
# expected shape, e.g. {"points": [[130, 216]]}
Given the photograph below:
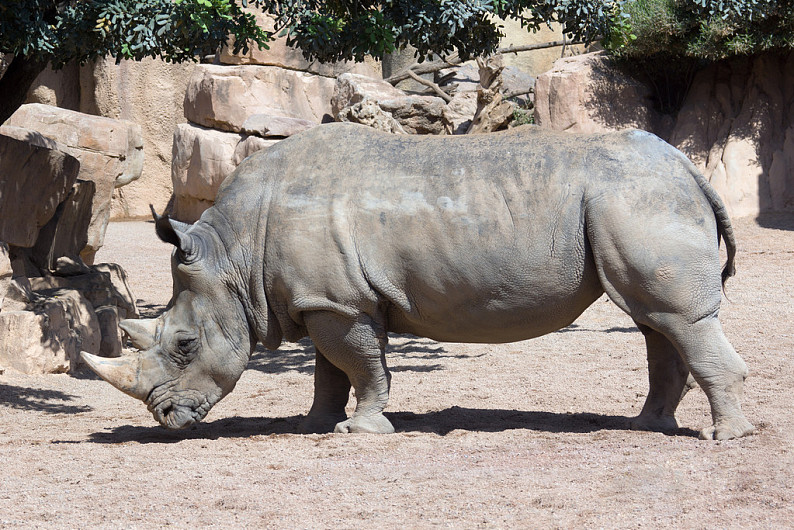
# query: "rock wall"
{"points": [[736, 123], [149, 93]]}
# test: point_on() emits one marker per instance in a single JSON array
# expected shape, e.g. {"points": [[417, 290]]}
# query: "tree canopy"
{"points": [[703, 29]]}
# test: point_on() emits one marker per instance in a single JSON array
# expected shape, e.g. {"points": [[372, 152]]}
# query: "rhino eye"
{"points": [[186, 349]]}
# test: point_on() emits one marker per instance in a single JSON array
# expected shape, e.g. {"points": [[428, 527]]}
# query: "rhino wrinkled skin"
{"points": [[343, 233]]}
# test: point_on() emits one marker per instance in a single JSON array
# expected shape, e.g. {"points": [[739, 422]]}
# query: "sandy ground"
{"points": [[531, 434]]}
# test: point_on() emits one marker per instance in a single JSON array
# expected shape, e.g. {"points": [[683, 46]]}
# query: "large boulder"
{"points": [[34, 180], [224, 97], [110, 154], [587, 93], [202, 159], [737, 125], [279, 54]]}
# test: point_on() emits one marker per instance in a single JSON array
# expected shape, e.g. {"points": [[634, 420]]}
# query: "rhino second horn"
{"points": [[122, 372], [142, 331]]}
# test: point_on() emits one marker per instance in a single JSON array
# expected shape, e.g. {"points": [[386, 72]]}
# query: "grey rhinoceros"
{"points": [[343, 233]]}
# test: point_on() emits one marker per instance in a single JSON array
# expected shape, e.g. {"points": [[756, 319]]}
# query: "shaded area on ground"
{"points": [[40, 400], [440, 422]]}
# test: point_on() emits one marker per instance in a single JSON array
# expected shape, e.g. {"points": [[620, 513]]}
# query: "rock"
{"points": [[223, 97], [151, 93], [267, 125], [737, 126], [6, 272], [82, 318], [396, 62], [110, 154], [108, 324], [461, 79], [36, 342], [285, 56], [33, 182], [66, 234], [587, 94], [368, 113], [415, 114], [48, 338], [15, 291], [353, 88], [248, 146], [202, 159], [105, 285], [418, 114], [120, 293]]}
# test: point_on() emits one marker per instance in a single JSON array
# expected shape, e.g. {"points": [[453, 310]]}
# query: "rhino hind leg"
{"points": [[331, 394], [356, 347], [669, 380], [719, 371], [666, 275]]}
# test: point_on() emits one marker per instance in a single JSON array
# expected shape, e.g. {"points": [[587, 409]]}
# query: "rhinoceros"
{"points": [[343, 234]]}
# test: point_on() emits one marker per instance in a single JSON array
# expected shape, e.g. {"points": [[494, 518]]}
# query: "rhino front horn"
{"points": [[122, 372]]}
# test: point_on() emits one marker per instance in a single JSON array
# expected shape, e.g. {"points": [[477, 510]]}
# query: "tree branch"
{"points": [[454, 60], [443, 95]]}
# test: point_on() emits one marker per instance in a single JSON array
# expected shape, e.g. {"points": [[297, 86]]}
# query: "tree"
{"points": [[703, 29], [38, 32]]}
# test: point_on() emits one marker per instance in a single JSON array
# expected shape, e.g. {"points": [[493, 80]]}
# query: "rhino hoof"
{"points": [[320, 423], [665, 424], [375, 424], [727, 430]]}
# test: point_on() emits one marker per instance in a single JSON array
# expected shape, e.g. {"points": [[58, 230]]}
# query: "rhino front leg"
{"points": [[669, 381], [331, 393], [357, 347]]}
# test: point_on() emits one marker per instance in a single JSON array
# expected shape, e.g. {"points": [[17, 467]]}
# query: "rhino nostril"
{"points": [[161, 413]]}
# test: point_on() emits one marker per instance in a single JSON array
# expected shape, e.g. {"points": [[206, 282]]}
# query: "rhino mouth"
{"points": [[179, 410]]}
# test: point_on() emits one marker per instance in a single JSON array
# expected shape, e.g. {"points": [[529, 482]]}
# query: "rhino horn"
{"points": [[135, 375], [171, 231], [142, 331]]}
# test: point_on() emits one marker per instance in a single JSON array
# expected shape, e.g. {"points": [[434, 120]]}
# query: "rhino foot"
{"points": [[727, 429], [655, 423], [375, 423], [321, 423]]}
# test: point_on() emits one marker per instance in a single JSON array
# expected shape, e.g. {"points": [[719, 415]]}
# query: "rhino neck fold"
{"points": [[251, 266]]}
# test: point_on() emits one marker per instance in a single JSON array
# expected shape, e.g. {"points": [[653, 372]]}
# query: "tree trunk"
{"points": [[15, 83]]}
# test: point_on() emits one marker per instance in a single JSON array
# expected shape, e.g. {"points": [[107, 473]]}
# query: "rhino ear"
{"points": [[172, 231]]}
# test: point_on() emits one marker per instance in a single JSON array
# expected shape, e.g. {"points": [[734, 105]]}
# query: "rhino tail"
{"points": [[724, 226]]}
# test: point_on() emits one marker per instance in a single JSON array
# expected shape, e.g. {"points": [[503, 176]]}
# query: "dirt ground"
{"points": [[530, 434]]}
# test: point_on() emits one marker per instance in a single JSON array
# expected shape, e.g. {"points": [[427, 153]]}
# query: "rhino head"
{"points": [[193, 354]]}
